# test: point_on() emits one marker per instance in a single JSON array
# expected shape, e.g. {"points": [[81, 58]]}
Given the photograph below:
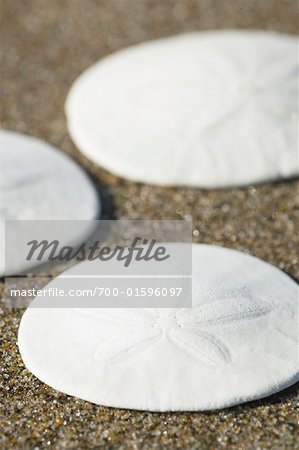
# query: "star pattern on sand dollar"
{"points": [[192, 331]]}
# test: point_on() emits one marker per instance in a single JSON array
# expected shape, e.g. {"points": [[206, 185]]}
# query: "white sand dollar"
{"points": [[238, 342], [209, 109], [38, 182]]}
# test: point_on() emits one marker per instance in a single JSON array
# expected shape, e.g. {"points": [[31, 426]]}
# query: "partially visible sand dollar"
{"points": [[210, 109], [39, 182], [238, 342]]}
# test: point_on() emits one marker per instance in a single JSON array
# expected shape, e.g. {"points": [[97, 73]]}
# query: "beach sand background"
{"points": [[45, 45]]}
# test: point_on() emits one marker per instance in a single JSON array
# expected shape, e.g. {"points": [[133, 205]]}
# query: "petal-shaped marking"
{"points": [[229, 311], [126, 345], [201, 347]]}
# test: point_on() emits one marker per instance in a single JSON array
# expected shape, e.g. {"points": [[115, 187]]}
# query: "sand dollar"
{"points": [[39, 182], [237, 343], [211, 109]]}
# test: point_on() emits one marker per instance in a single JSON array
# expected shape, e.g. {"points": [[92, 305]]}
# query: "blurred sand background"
{"points": [[45, 45]]}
